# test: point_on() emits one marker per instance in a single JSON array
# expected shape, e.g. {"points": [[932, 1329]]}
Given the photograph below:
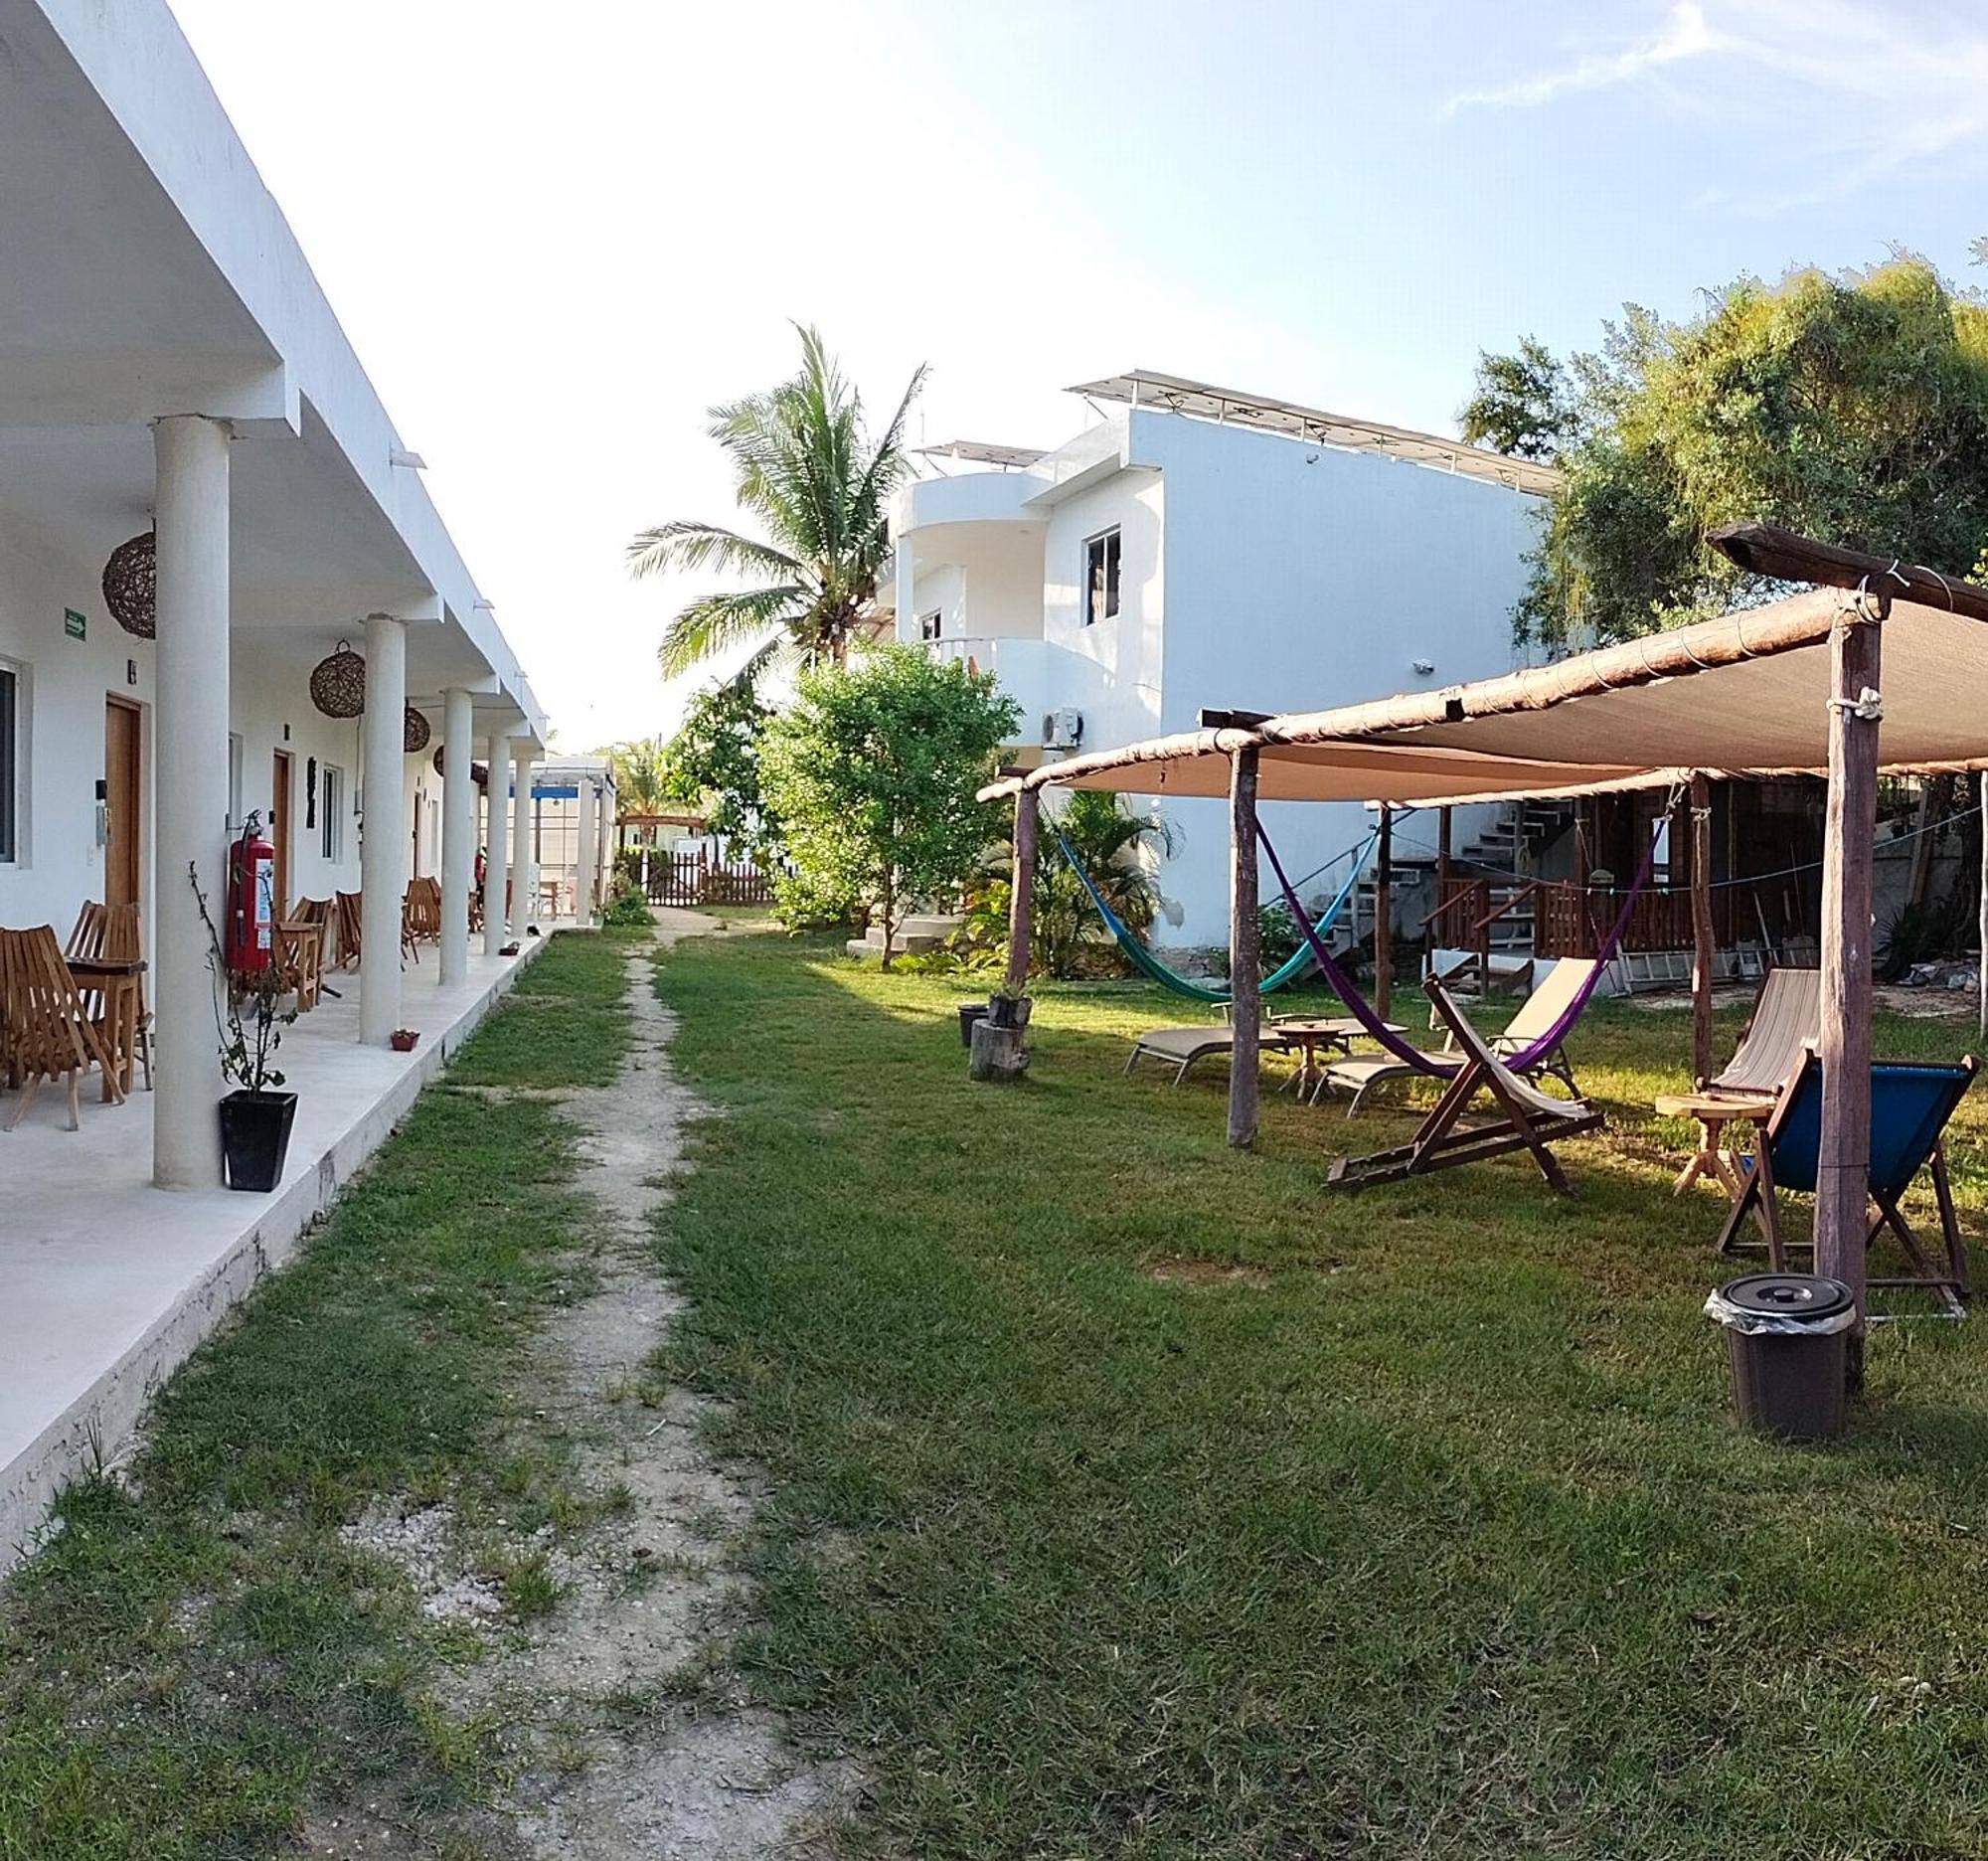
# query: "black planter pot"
{"points": [[255, 1137], [970, 1012]]}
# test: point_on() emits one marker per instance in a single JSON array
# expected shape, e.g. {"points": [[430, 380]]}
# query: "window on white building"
{"points": [[10, 763], [331, 812], [930, 624], [1100, 577]]}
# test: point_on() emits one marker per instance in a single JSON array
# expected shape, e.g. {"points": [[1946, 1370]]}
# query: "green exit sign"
{"points": [[73, 623]]}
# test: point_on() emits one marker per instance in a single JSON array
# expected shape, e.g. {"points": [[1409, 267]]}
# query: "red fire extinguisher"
{"points": [[251, 900]]}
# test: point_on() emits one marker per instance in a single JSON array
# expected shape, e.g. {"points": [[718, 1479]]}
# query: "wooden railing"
{"points": [[1573, 920]]}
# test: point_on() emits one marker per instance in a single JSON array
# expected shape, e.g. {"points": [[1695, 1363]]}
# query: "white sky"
{"points": [[555, 234]]}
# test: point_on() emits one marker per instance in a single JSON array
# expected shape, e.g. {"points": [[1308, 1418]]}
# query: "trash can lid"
{"points": [[1788, 1296]]}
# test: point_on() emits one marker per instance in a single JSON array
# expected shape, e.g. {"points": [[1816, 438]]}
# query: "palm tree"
{"points": [[641, 775], [805, 466]]}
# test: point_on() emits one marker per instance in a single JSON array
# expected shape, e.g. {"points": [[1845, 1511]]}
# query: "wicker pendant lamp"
{"points": [[338, 683], [130, 585], [415, 732]]}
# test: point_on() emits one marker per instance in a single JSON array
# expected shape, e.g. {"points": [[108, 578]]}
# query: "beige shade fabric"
{"points": [[1744, 695]]}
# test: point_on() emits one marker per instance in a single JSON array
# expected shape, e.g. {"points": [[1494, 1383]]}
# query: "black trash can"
{"points": [[970, 1012], [1787, 1335]]}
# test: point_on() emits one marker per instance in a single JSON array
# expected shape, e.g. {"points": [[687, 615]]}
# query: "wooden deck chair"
{"points": [[49, 1031], [1551, 998], [347, 909], [113, 932], [1528, 1119], [1786, 1022], [1910, 1103]]}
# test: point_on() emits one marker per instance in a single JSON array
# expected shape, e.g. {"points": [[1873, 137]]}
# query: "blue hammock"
{"points": [[1139, 954]]}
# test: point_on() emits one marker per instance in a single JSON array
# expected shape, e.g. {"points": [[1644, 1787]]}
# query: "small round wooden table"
{"points": [[1713, 1111]]}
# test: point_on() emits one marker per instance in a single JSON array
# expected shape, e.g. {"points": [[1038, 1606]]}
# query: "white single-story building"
{"points": [[170, 368], [1197, 548]]}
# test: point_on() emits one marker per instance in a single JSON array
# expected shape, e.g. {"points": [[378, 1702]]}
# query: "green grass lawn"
{"points": [[200, 1656], [1426, 1532]]}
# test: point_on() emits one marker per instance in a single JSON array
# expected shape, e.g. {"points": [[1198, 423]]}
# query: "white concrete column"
{"points": [[586, 866], [603, 886], [521, 836], [906, 577], [496, 866], [526, 852], [383, 854], [190, 794], [458, 835]]}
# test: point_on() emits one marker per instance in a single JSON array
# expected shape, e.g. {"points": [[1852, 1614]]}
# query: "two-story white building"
{"points": [[1199, 549]]}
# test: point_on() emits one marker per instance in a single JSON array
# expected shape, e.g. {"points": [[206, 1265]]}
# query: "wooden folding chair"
{"points": [[49, 1031], [1529, 1120], [1786, 1021], [347, 906], [1912, 1101], [114, 933]]}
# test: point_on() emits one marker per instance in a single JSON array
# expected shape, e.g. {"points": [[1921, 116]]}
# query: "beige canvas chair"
{"points": [[50, 1033], [1787, 1022], [1526, 1120], [1551, 998]]}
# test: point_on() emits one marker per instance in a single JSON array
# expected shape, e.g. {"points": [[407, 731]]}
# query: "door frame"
{"points": [[282, 803], [135, 826]]}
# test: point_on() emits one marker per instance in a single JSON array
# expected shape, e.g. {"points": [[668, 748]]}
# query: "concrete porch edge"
{"points": [[98, 1427]]}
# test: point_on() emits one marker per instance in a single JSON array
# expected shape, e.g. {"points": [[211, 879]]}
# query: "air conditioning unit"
{"points": [[1063, 728]]}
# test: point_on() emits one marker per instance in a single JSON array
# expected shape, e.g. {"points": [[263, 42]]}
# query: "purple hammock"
{"points": [[1359, 1007]]}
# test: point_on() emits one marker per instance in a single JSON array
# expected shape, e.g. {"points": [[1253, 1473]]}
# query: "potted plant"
{"points": [[257, 1118], [403, 1040], [1008, 1007]]}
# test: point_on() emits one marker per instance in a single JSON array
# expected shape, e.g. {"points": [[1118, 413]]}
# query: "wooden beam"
{"points": [[1384, 913], [1244, 967], [1704, 946], [1022, 895], [1842, 1189], [1232, 720], [1767, 549]]}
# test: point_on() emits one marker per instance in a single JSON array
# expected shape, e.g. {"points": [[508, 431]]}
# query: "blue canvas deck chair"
{"points": [[1910, 1103]]}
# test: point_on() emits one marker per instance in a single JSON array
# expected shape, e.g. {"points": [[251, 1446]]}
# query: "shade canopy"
{"points": [[1746, 694]]}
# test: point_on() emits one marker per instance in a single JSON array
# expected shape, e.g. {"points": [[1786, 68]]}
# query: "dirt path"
{"points": [[624, 1732]]}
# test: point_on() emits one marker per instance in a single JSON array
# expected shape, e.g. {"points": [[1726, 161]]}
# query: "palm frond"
{"points": [[688, 545], [717, 622]]}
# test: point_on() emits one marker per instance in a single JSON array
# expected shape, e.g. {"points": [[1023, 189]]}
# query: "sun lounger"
{"points": [[1360, 1074], [1181, 1046], [1528, 1119]]}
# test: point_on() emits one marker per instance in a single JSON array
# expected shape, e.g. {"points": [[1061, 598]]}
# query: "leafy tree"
{"points": [[1109, 842], [714, 764], [1853, 409], [873, 772], [805, 465], [1524, 404]]}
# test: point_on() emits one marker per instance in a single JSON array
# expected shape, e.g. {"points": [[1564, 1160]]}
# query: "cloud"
{"points": [[1826, 96], [1683, 35]]}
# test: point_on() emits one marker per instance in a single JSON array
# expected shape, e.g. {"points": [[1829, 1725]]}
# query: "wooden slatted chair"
{"points": [[1529, 1120], [50, 1031], [346, 908], [113, 933]]}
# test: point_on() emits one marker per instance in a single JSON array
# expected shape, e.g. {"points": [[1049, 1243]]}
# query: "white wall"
{"points": [[1298, 577]]}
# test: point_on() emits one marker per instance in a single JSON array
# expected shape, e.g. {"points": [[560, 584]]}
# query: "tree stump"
{"points": [[998, 1053]]}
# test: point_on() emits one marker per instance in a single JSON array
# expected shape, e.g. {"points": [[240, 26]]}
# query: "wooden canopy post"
{"points": [[1244, 994], [1842, 1188], [1022, 897], [1384, 913], [1440, 920], [1704, 946], [1981, 919]]}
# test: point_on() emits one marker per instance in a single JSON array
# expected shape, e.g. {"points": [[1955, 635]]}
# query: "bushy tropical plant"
{"points": [[873, 773], [806, 468], [1113, 845], [714, 764], [1853, 407]]}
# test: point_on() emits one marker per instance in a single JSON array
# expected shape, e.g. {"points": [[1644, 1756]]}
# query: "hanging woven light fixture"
{"points": [[130, 585], [416, 734], [338, 683], [478, 772]]}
